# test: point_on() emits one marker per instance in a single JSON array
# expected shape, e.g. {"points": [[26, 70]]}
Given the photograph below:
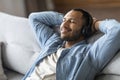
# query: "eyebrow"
{"points": [[70, 18]]}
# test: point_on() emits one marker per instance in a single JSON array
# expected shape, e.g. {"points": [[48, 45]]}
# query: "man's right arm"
{"points": [[42, 23]]}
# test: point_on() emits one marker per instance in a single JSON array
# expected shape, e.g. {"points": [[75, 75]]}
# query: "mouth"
{"points": [[65, 30]]}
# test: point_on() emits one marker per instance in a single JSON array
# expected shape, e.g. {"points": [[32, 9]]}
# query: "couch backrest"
{"points": [[20, 46]]}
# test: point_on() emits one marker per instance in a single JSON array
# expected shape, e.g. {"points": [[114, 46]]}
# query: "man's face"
{"points": [[71, 26]]}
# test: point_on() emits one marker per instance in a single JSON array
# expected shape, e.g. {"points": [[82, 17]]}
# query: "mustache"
{"points": [[66, 28]]}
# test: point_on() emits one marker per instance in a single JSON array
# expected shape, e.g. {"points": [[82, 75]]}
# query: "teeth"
{"points": [[64, 30]]}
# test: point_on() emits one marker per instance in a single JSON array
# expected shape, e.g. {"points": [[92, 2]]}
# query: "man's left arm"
{"points": [[105, 48]]}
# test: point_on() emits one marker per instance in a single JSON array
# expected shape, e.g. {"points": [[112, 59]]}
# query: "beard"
{"points": [[73, 37]]}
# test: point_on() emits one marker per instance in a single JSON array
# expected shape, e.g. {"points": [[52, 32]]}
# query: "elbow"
{"points": [[114, 27], [116, 32], [32, 17], [117, 29]]}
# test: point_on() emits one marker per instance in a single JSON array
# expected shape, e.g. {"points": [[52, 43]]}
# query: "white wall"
{"points": [[14, 7]]}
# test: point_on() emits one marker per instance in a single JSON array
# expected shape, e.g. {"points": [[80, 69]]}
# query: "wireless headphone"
{"points": [[86, 30]]}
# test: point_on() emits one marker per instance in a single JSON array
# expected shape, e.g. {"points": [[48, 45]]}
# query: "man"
{"points": [[68, 56]]}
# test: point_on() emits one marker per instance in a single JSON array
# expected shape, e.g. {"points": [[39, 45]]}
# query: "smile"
{"points": [[64, 30]]}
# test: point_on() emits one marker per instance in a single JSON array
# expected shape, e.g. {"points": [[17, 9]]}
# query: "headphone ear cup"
{"points": [[86, 31], [83, 31]]}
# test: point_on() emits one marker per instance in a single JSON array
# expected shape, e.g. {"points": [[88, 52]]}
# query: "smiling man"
{"points": [[71, 27], [68, 56]]}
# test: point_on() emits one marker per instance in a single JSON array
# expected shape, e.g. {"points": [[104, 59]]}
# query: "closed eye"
{"points": [[72, 21], [64, 19], [69, 20]]}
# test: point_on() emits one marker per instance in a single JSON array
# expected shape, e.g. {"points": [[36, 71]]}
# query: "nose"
{"points": [[65, 23]]}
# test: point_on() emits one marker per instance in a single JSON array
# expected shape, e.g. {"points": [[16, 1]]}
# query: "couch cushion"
{"points": [[2, 75], [20, 46], [12, 75], [114, 66], [108, 77], [112, 70]]}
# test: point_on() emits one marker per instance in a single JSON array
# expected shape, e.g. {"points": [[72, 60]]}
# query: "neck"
{"points": [[68, 44]]}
